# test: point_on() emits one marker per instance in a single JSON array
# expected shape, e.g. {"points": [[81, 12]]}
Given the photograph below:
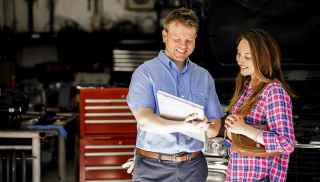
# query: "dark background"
{"points": [[43, 65]]}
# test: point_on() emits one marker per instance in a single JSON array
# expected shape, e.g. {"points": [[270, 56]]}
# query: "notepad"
{"points": [[176, 108]]}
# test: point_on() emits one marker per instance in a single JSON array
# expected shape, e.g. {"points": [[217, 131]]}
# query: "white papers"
{"points": [[187, 129], [173, 107]]}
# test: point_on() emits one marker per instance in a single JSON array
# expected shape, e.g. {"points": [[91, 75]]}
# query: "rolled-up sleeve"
{"points": [[280, 136], [140, 90], [213, 107]]}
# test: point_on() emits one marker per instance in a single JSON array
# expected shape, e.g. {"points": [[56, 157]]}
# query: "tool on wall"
{"points": [[51, 7], [30, 15], [96, 6], [5, 5], [9, 14]]}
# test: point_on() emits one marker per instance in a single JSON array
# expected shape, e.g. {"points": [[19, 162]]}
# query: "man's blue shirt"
{"points": [[192, 83]]}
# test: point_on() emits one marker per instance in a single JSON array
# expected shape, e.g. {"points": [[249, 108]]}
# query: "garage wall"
{"points": [[80, 12], [1, 14], [7, 13]]}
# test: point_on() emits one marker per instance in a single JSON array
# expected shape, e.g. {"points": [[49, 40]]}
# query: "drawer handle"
{"points": [[111, 180], [105, 107], [97, 168], [109, 146], [102, 121], [104, 100], [89, 154], [108, 114]]}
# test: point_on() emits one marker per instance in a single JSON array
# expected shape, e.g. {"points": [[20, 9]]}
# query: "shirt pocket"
{"points": [[199, 97]]}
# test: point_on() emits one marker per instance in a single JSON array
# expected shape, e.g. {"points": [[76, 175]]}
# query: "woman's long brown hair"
{"points": [[266, 60]]}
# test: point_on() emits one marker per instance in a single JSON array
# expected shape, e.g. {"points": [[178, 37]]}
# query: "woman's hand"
{"points": [[235, 124]]}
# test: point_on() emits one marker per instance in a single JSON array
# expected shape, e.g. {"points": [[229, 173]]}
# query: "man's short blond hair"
{"points": [[182, 15]]}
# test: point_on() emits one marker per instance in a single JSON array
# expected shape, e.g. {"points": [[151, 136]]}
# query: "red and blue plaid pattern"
{"points": [[274, 110]]}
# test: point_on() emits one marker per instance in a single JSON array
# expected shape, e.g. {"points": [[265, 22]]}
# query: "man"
{"points": [[168, 153]]}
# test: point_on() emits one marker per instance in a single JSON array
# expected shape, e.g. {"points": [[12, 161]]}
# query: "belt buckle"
{"points": [[188, 157], [180, 157]]}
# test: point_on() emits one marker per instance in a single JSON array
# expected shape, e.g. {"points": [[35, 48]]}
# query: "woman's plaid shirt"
{"points": [[274, 110]]}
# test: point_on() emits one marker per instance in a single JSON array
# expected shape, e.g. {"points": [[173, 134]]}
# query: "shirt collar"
{"points": [[170, 64]]}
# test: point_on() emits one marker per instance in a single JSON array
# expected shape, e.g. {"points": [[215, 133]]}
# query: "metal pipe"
{"points": [[14, 14], [36, 170], [30, 15], [51, 16], [1, 168], [13, 166], [24, 168], [62, 159], [36, 162], [8, 167], [5, 12]]}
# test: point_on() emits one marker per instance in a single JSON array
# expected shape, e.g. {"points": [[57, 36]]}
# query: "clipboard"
{"points": [[176, 108]]}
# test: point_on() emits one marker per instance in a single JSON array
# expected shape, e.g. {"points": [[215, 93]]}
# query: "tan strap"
{"points": [[245, 146]]}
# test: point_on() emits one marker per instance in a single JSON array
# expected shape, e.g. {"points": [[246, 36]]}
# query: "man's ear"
{"points": [[164, 35]]}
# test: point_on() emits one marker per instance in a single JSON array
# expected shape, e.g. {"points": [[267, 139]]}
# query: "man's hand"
{"points": [[129, 165], [195, 120]]}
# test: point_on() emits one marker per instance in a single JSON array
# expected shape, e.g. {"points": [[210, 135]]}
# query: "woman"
{"points": [[261, 110]]}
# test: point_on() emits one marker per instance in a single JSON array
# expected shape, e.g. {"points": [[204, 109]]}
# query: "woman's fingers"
{"points": [[229, 120]]}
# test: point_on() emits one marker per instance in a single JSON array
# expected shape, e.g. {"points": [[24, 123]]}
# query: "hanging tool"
{"points": [[30, 15]]}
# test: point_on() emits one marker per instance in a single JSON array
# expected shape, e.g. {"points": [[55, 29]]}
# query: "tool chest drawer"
{"points": [[112, 174], [107, 135], [107, 151], [105, 111], [101, 158]]}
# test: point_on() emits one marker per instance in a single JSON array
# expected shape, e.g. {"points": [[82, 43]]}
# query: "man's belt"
{"points": [[180, 157]]}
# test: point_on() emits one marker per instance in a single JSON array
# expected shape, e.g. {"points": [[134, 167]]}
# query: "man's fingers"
{"points": [[203, 125], [191, 117], [127, 164], [130, 169]]}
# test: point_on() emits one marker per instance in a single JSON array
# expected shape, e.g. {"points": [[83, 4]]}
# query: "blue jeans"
{"points": [[154, 170]]}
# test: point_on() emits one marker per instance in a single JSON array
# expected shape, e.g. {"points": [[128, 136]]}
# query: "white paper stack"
{"points": [[173, 107]]}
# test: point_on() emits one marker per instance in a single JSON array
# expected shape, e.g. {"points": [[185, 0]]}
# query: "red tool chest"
{"points": [[107, 134]]}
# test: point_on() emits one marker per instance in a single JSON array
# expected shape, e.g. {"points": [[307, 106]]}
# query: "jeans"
{"points": [[154, 170]]}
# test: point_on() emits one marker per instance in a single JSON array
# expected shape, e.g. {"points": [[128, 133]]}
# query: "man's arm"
{"points": [[151, 122]]}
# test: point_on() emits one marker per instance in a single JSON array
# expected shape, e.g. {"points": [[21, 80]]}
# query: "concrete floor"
{"points": [[49, 171], [52, 175]]}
